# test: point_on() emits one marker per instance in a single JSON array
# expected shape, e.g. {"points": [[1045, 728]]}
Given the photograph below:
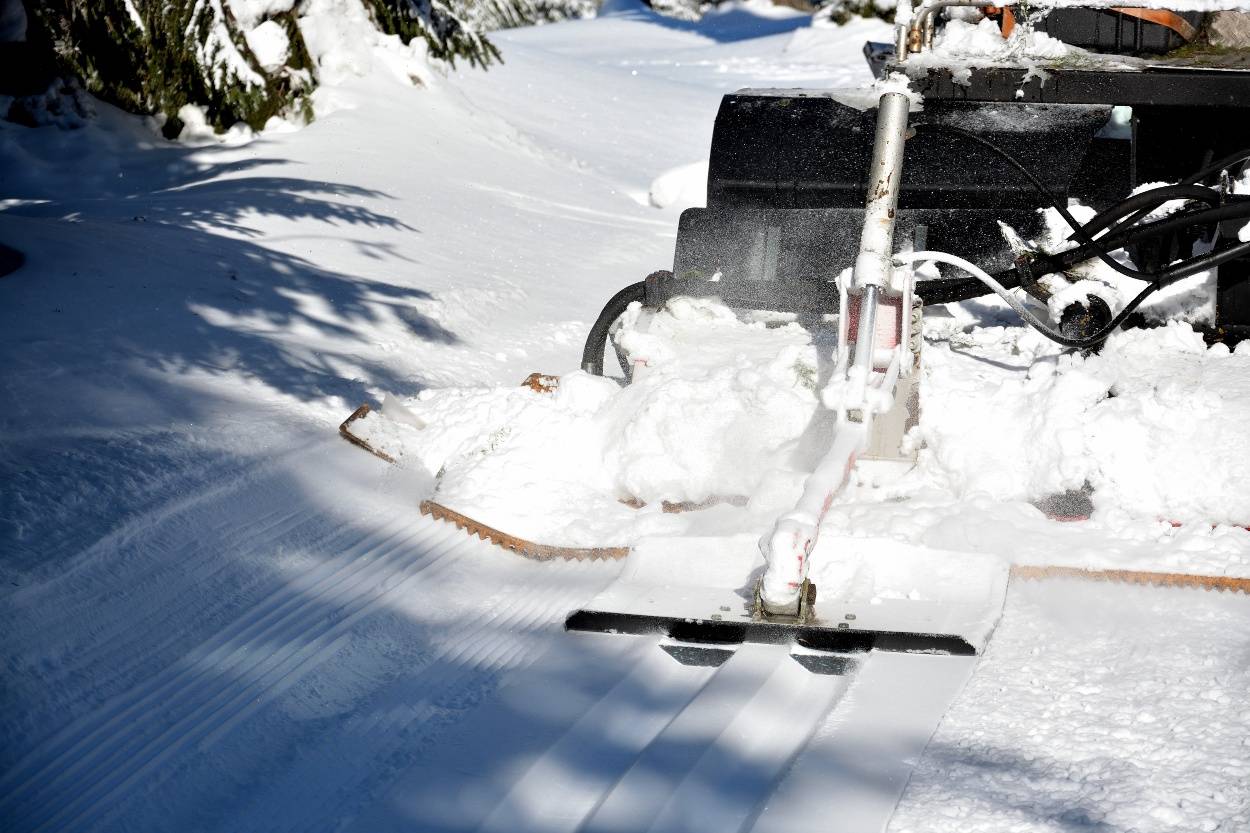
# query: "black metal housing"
{"points": [[787, 174], [1184, 116], [1108, 30], [787, 185]]}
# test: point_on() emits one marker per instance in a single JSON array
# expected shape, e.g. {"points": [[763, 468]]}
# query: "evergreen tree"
{"points": [[680, 9], [489, 15], [155, 56]]}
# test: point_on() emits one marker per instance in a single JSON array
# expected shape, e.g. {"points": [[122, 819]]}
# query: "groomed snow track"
{"points": [[335, 686], [645, 743]]}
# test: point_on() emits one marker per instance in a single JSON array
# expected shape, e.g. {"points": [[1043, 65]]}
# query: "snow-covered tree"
{"points": [[840, 12], [680, 9], [489, 15], [447, 33], [243, 60], [154, 56]]}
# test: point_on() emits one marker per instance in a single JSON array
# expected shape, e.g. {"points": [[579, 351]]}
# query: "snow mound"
{"points": [[1154, 423], [718, 406], [724, 406], [684, 186]]}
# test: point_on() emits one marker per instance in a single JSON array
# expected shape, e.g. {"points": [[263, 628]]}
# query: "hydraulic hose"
{"points": [[1240, 156], [1151, 200], [947, 290], [1164, 278], [1199, 264], [1024, 313], [597, 338], [1041, 189]]}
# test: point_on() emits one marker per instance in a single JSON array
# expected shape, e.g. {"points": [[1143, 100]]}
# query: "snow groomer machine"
{"points": [[988, 142], [934, 186]]}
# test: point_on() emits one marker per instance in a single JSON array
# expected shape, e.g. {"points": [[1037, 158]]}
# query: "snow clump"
{"points": [[719, 405]]}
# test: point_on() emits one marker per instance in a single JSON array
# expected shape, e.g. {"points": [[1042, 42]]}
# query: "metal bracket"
{"points": [[804, 614]]}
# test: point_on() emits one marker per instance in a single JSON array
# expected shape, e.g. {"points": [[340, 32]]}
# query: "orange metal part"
{"points": [[1231, 584]]}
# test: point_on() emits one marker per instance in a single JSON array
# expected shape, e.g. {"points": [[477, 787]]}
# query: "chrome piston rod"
{"points": [[788, 545]]}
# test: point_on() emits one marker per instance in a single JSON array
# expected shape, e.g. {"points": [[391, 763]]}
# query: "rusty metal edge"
{"points": [[345, 431], [520, 546], [1027, 572]]}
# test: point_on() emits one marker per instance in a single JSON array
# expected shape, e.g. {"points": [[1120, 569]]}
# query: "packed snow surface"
{"points": [[1096, 708], [216, 615]]}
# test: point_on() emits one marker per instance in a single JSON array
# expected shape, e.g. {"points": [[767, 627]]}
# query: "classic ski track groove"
{"points": [[105, 751], [685, 687]]}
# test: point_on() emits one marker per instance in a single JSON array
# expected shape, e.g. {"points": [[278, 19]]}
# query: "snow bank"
{"points": [[684, 186], [726, 407], [719, 407], [1155, 423]]}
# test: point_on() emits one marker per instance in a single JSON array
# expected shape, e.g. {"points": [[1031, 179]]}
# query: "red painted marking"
{"points": [[889, 323]]}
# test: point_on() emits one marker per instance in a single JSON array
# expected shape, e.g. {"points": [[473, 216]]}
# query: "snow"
{"points": [[217, 52], [1125, 421], [725, 408], [346, 45], [982, 40], [718, 409], [134, 15], [270, 44], [684, 186], [217, 615], [1096, 708], [251, 13], [961, 45]]}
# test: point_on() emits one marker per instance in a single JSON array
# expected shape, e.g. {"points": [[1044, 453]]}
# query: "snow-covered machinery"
{"points": [[808, 185], [824, 202]]}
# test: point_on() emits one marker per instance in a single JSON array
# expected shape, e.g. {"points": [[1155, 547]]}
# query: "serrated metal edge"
{"points": [[520, 546], [1232, 584]]}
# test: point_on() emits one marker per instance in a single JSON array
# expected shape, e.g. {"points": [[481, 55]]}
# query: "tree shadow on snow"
{"points": [[390, 679], [144, 281], [164, 243]]}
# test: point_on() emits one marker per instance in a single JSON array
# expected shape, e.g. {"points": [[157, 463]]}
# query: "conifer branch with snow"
{"points": [[247, 60]]}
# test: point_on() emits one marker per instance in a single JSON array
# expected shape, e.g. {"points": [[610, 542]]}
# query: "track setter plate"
{"points": [[702, 591]]}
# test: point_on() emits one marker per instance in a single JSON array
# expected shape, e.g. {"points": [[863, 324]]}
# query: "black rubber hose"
{"points": [[1219, 165], [1150, 200], [948, 290], [1120, 238], [1201, 263], [1166, 277], [1241, 156], [1077, 228], [597, 338]]}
